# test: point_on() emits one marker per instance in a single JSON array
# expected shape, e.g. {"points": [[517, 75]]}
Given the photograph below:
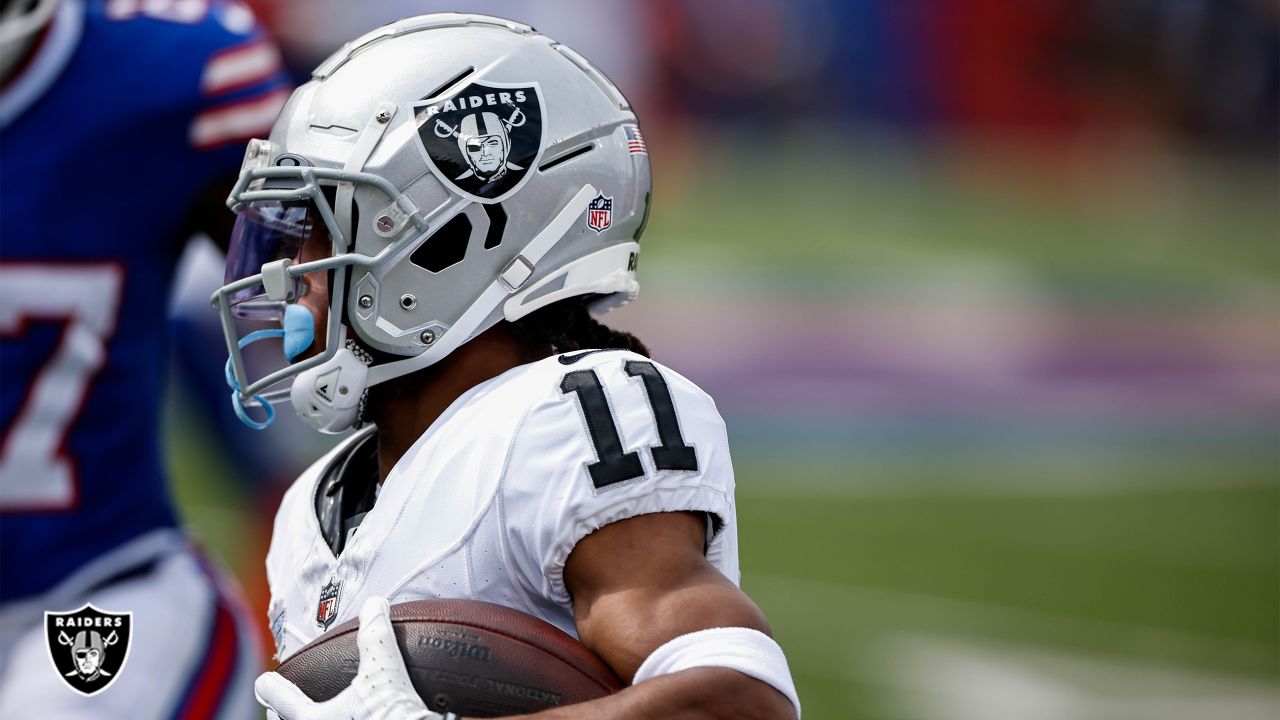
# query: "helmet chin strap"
{"points": [[328, 397]]}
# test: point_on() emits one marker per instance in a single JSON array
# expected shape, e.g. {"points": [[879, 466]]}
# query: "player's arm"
{"points": [[641, 582]]}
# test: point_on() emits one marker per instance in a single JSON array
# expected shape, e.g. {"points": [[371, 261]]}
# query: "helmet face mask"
{"points": [[264, 232], [444, 215], [279, 222]]}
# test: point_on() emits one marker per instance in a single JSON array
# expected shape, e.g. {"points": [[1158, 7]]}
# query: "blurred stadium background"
{"points": [[988, 292]]}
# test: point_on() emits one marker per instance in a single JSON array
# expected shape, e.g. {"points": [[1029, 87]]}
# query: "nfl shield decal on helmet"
{"points": [[327, 609], [483, 140], [88, 646], [600, 213]]}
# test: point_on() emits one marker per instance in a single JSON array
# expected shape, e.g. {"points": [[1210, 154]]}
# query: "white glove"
{"points": [[380, 690]]}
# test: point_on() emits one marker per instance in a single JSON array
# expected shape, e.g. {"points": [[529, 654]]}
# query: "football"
{"points": [[473, 658]]}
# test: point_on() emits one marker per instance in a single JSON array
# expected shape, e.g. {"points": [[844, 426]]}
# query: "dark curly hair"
{"points": [[567, 325]]}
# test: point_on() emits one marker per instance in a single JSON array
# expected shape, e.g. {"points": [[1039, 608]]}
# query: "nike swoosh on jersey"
{"points": [[575, 357]]}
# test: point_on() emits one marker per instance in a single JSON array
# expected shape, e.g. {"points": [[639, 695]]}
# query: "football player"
{"points": [[119, 119], [513, 449]]}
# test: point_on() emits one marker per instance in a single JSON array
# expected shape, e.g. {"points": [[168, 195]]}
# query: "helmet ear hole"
{"points": [[445, 247]]}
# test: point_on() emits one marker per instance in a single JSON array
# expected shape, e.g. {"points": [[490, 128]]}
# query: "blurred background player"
{"points": [[122, 122]]}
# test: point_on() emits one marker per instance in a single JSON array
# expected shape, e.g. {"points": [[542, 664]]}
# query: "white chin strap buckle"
{"points": [[327, 397]]}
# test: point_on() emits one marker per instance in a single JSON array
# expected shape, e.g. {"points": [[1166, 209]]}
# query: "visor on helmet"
{"points": [[266, 231]]}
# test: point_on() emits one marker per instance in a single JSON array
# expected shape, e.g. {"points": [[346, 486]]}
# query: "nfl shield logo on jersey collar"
{"points": [[88, 647], [327, 609]]}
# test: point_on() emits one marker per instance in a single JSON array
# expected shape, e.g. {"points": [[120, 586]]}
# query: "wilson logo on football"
{"points": [[483, 140]]}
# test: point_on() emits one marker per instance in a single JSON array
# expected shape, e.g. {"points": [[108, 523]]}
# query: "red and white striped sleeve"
{"points": [[243, 86]]}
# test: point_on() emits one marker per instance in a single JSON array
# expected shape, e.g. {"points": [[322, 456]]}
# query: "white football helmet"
{"points": [[467, 170]]}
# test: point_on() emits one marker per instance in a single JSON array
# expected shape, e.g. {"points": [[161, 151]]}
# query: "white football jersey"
{"points": [[491, 500]]}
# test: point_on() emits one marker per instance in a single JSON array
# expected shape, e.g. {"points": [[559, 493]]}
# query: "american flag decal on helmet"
{"points": [[635, 141]]}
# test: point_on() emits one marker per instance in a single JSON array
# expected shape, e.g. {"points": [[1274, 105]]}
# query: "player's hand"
{"points": [[380, 691]]}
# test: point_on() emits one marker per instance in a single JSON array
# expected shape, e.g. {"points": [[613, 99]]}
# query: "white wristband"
{"points": [[748, 651]]}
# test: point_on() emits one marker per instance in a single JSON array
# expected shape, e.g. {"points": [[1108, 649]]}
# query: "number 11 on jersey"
{"points": [[615, 465]]}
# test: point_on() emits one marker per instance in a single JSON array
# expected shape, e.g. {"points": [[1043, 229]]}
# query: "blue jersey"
{"points": [[126, 112]]}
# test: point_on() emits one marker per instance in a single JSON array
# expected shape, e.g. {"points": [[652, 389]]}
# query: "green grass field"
{"points": [[1131, 584], [1183, 577]]}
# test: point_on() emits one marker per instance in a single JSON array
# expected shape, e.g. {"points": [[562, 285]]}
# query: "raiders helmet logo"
{"points": [[483, 140], [88, 647]]}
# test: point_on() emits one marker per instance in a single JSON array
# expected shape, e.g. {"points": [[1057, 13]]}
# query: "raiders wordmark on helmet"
{"points": [[484, 139], [88, 647]]}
